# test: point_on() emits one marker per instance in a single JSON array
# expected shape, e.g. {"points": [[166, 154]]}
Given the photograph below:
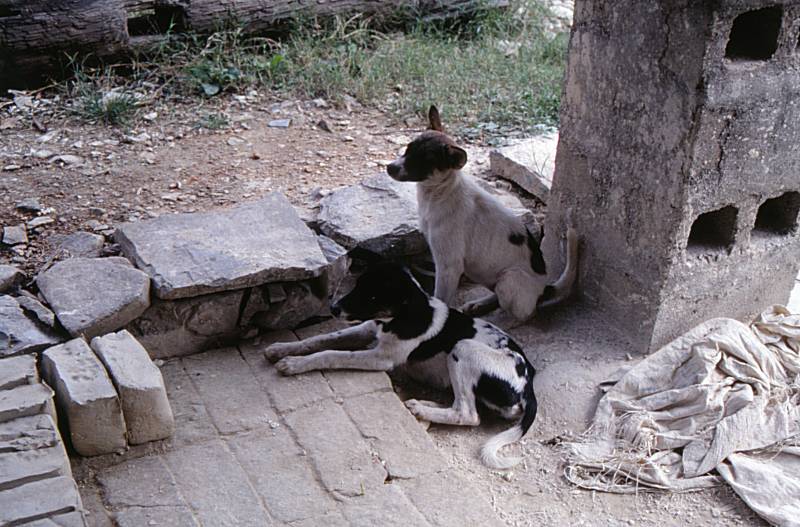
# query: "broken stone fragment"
{"points": [[30, 304], [19, 334], [25, 400], [86, 397], [529, 164], [79, 244], [148, 416], [15, 235], [10, 278], [29, 205], [18, 371], [92, 296]]}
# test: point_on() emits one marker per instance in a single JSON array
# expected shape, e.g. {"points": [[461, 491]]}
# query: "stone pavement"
{"points": [[254, 448]]}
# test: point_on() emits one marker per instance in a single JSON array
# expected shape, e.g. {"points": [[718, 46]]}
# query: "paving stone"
{"points": [[92, 296], [192, 254], [192, 422], [449, 501], [148, 416], [167, 516], [86, 398], [79, 244], [331, 519], [281, 474], [26, 400], [139, 482], [530, 164], [402, 444], [215, 486], [93, 508], [341, 456], [347, 383], [386, 506], [24, 466], [18, 371], [31, 305], [15, 234], [70, 519], [10, 277], [231, 393], [39, 499], [286, 393], [378, 214], [28, 433], [18, 333]]}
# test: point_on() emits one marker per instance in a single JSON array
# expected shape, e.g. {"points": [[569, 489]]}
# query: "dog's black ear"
{"points": [[434, 120], [456, 157], [366, 256]]}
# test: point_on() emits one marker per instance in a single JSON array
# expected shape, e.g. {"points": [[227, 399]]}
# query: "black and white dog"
{"points": [[436, 344]]}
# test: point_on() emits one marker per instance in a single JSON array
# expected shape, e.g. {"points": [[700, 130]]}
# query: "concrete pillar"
{"points": [[679, 159]]}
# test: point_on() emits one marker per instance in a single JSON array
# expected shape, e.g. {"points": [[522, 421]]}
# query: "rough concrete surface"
{"points": [[198, 253], [92, 296], [19, 334], [148, 416], [530, 164], [86, 398]]}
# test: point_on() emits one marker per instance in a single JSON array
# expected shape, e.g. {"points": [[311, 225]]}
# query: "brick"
{"points": [[286, 393], [22, 401], [86, 398], [18, 371], [167, 516], [148, 416], [230, 391], [192, 422], [386, 506], [281, 474], [70, 519], [402, 444], [38, 500], [24, 466], [342, 458], [141, 481], [448, 501], [27, 433], [215, 486]]}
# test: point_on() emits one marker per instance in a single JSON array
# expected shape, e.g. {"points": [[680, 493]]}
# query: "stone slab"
{"points": [[86, 398], [148, 416], [145, 481], [79, 244], [28, 433], [339, 453], [38, 500], [192, 422], [23, 401], [10, 277], [530, 164], [69, 519], [32, 306], [18, 371], [385, 506], [25, 466], [349, 383], [18, 333], [281, 474], [436, 498], [198, 253], [92, 296], [168, 516]]}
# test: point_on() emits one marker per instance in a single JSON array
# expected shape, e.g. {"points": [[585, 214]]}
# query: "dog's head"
{"points": [[384, 290], [433, 155]]}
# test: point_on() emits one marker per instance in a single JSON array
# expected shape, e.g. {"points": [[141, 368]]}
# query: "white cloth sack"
{"points": [[722, 402]]}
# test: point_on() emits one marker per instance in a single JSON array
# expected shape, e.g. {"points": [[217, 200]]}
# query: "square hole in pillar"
{"points": [[157, 20], [713, 231], [778, 216], [754, 34]]}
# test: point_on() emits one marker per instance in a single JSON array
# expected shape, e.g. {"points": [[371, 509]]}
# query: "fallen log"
{"points": [[38, 36]]}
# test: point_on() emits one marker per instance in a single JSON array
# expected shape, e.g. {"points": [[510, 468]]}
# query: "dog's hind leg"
{"points": [[481, 306], [356, 337], [370, 360]]}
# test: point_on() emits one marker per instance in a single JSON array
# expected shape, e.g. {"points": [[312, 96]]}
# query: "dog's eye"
{"points": [[373, 298]]}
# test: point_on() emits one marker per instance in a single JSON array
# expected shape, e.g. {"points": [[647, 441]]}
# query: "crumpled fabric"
{"points": [[719, 404]]}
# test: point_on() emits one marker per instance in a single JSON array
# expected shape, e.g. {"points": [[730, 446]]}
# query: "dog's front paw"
{"points": [[291, 365], [279, 350]]}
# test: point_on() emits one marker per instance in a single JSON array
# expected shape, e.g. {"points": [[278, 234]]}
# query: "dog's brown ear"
{"points": [[434, 120], [456, 156]]}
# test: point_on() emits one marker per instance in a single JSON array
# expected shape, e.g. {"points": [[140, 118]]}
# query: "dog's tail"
{"points": [[489, 451], [562, 288]]}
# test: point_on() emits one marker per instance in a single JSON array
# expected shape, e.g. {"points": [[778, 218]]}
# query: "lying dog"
{"points": [[470, 232], [437, 345]]}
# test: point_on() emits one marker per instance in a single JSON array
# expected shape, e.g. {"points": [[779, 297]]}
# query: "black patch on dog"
{"points": [[548, 293], [537, 259], [496, 391], [531, 405], [455, 357], [516, 238], [512, 345], [458, 326], [520, 366], [428, 152]]}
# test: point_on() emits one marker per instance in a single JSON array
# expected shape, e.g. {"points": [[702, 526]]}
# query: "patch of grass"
{"points": [[94, 99], [213, 121]]}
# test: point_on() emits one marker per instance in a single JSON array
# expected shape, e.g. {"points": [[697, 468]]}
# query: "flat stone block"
{"points": [[215, 486], [386, 506], [28, 433], [199, 253], [341, 456], [18, 371], [20, 334], [530, 164], [144, 481], [231, 393], [92, 296], [192, 422], [22, 401], [148, 416], [448, 501], [281, 475], [25, 466], [402, 444], [167, 516], [86, 397], [10, 277], [39, 500]]}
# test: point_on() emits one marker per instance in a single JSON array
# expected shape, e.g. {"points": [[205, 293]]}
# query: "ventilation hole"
{"points": [[155, 21], [754, 35], [713, 231], [778, 215]]}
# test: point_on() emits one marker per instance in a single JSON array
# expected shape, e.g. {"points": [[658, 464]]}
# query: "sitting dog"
{"points": [[437, 345], [470, 232]]}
